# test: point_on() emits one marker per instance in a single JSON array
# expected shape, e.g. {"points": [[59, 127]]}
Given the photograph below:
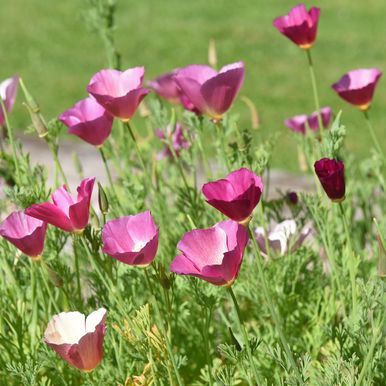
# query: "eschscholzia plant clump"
{"points": [[195, 262]]}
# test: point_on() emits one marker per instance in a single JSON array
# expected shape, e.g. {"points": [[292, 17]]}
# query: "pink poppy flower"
{"points": [[8, 91], [66, 212], [214, 254], [210, 92], [77, 339], [357, 87], [133, 240], [166, 87], [331, 175], [25, 233], [236, 195], [119, 92], [283, 238], [178, 137], [299, 25], [88, 120], [298, 122]]}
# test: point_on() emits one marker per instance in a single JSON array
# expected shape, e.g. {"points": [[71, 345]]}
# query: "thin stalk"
{"points": [[164, 330], [105, 279], [34, 305], [58, 165], [221, 135], [103, 156], [351, 264], [372, 133], [377, 332], [77, 270], [275, 316], [139, 155], [179, 166], [241, 327], [205, 162], [334, 274], [11, 140], [314, 88], [208, 316], [50, 295]]}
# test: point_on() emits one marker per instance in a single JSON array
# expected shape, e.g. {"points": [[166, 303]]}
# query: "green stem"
{"points": [[205, 162], [275, 316], [77, 270], [335, 277], [34, 306], [164, 329], [314, 88], [351, 262], [139, 155], [221, 135], [372, 133], [241, 327], [58, 165], [103, 156], [11, 139], [50, 295], [377, 333], [179, 166], [208, 315]]}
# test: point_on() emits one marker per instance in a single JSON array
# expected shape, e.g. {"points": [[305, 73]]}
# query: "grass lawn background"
{"points": [[48, 43]]}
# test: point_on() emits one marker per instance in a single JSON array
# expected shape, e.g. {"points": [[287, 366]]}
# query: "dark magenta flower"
{"points": [[133, 240], [8, 92], [77, 339], [236, 195], [357, 87], [331, 175], [119, 92], [88, 120], [292, 198], [298, 122], [178, 138], [210, 92], [25, 233], [214, 254], [299, 25], [66, 212]]}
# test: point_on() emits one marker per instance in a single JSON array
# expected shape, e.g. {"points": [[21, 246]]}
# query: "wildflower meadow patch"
{"points": [[182, 269]]}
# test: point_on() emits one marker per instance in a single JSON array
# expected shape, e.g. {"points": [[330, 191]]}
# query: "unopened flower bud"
{"points": [[164, 278], [102, 200], [37, 121], [34, 111]]}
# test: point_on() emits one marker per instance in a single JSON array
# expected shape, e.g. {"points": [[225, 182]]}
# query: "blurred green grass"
{"points": [[48, 43]]}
